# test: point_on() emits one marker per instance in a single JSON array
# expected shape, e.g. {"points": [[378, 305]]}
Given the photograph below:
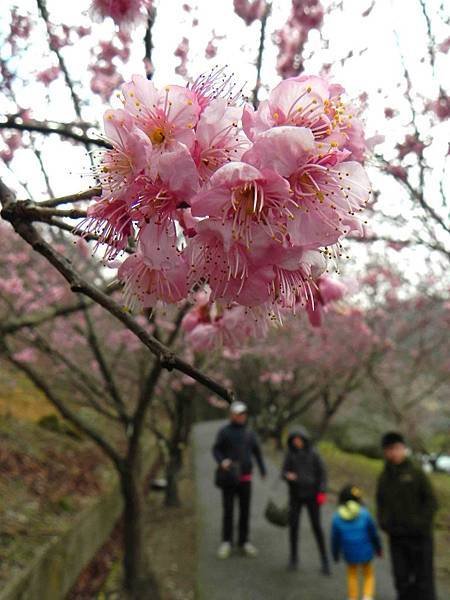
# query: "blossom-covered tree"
{"points": [[195, 194], [97, 374], [167, 166], [410, 379], [303, 372]]}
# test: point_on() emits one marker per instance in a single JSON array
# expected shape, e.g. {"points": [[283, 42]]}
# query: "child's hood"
{"points": [[350, 510]]}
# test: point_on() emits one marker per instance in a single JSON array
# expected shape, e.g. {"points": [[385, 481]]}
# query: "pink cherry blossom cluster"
{"points": [[210, 325], [122, 12], [250, 11], [106, 77], [9, 143], [47, 76], [411, 144], [440, 106], [305, 15], [327, 291], [248, 204], [181, 52]]}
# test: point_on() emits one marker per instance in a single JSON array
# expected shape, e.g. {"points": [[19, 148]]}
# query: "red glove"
{"points": [[321, 498]]}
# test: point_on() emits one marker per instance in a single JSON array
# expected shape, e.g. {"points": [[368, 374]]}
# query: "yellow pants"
{"points": [[368, 581]]}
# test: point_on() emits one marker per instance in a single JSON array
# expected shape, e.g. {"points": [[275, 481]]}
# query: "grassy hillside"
{"points": [[19, 398], [45, 479]]}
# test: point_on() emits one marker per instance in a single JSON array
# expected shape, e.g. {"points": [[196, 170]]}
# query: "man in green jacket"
{"points": [[405, 508]]}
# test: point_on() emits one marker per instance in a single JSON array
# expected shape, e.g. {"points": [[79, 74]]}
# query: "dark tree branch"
{"points": [[39, 212], [107, 374], [48, 127], [166, 359], [35, 319], [62, 406], [151, 380], [72, 198], [148, 42], [259, 58]]}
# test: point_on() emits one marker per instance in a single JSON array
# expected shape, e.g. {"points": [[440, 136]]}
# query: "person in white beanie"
{"points": [[234, 449]]}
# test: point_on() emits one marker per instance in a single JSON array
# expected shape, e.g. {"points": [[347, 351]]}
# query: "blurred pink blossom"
{"points": [[122, 12], [48, 75], [305, 15], [250, 11], [182, 52], [444, 46], [211, 49], [411, 144], [441, 107], [27, 355], [397, 171]]}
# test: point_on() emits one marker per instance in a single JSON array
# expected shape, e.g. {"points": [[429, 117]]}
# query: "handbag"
{"points": [[228, 478], [277, 515]]}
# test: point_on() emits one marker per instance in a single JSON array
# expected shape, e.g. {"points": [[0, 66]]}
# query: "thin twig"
{"points": [[107, 374], [72, 198], [259, 58], [42, 7]]}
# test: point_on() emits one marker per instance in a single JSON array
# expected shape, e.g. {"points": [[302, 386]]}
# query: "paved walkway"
{"points": [[264, 577]]}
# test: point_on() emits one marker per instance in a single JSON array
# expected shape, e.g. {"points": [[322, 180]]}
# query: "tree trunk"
{"points": [[139, 582], [173, 468], [324, 424], [278, 435], [181, 427]]}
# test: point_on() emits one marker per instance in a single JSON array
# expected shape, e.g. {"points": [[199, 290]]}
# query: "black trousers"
{"points": [[242, 493], [295, 508], [412, 566]]}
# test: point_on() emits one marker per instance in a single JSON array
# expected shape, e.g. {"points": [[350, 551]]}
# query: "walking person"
{"points": [[406, 505], [305, 473], [354, 535], [235, 447]]}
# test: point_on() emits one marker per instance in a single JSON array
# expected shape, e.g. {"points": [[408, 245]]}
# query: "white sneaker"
{"points": [[224, 550], [249, 550]]}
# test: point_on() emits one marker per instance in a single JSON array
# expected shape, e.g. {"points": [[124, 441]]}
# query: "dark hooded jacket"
{"points": [[405, 500], [307, 464], [240, 444]]}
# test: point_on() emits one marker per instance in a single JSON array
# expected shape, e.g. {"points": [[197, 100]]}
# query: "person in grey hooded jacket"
{"points": [[305, 473]]}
